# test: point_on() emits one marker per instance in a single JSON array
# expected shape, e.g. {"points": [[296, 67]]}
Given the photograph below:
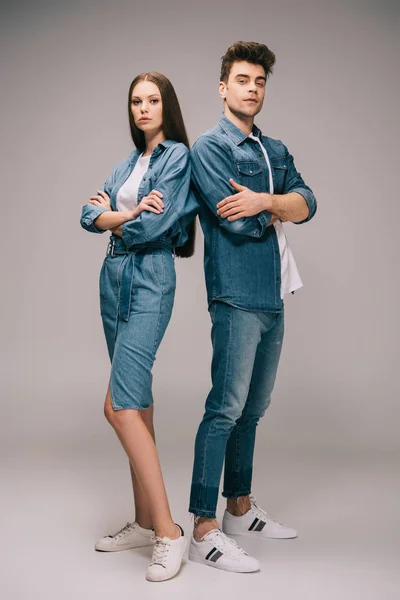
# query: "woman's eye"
{"points": [[135, 102], [154, 100]]}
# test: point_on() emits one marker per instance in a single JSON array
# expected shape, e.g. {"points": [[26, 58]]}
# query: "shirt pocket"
{"points": [[250, 174], [279, 170]]}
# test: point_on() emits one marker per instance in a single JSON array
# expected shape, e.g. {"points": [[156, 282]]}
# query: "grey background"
{"points": [[327, 451]]}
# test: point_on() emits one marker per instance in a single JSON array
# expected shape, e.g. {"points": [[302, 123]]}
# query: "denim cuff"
{"points": [[264, 218], [89, 215], [131, 237], [203, 513], [235, 494], [311, 202]]}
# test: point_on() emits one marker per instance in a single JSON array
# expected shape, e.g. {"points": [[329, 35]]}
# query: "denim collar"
{"points": [[159, 148], [237, 135]]}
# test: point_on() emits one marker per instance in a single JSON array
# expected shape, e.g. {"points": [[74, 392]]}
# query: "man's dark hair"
{"points": [[252, 52]]}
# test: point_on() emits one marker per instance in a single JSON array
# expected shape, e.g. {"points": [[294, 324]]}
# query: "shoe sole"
{"points": [[173, 575], [259, 534], [121, 548], [202, 561]]}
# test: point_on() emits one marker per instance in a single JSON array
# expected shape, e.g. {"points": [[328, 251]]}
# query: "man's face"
{"points": [[245, 89]]}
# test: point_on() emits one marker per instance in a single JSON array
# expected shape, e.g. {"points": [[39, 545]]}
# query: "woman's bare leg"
{"points": [[142, 511], [140, 448]]}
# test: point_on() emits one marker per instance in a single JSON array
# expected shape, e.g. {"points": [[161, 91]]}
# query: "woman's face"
{"points": [[146, 107]]}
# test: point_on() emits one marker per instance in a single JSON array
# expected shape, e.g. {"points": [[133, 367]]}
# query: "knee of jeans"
{"points": [[256, 412], [264, 407], [224, 421]]}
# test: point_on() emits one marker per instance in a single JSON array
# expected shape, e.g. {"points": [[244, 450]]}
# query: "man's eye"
{"points": [[242, 80]]}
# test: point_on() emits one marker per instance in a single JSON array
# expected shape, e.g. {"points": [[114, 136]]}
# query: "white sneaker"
{"points": [[167, 557], [130, 536], [256, 523], [219, 551]]}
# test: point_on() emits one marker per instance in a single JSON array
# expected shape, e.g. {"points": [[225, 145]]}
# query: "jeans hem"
{"points": [[210, 514], [232, 494]]}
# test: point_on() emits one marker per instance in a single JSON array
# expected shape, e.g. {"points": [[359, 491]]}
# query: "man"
{"points": [[247, 184]]}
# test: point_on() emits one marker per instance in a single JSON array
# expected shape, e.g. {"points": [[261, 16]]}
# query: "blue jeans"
{"points": [[246, 351]]}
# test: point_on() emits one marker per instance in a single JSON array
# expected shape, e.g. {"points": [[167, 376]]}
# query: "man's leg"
{"points": [[240, 446], [235, 337], [243, 516]]}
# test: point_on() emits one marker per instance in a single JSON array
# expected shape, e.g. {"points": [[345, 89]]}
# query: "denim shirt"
{"points": [[241, 258], [169, 172]]}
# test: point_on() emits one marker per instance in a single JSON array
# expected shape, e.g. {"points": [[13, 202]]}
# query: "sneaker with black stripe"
{"points": [[221, 552], [256, 523]]}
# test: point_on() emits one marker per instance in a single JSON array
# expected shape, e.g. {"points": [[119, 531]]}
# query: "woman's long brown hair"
{"points": [[173, 128]]}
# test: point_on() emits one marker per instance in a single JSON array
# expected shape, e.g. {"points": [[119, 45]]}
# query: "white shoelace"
{"points": [[260, 513], [126, 529], [227, 544], [160, 552]]}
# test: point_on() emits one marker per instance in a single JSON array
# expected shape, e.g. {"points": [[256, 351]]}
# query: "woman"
{"points": [[147, 206]]}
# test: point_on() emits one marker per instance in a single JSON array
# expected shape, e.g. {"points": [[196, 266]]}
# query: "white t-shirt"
{"points": [[128, 192], [290, 276]]}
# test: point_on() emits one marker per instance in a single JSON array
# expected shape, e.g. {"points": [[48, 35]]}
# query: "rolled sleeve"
{"points": [[295, 183], [264, 218], [212, 167], [89, 216]]}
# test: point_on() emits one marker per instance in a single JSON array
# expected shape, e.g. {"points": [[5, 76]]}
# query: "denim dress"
{"points": [[137, 279]]}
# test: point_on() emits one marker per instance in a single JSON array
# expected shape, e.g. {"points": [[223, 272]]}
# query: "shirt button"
{"points": [[276, 251], [277, 278], [260, 155], [250, 171]]}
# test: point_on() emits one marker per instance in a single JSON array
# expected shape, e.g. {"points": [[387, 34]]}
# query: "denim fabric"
{"points": [[133, 340], [241, 259], [169, 172], [246, 351]]}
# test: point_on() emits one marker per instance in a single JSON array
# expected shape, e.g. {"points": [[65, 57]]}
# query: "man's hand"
{"points": [[101, 200], [273, 220], [244, 204]]}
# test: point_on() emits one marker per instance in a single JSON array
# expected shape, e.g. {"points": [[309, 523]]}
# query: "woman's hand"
{"points": [[150, 203], [101, 200]]}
